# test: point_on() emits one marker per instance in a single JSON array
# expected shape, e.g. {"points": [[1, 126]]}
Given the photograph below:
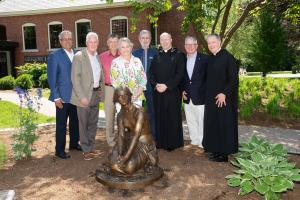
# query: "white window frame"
{"points": [[81, 21], [28, 50], [49, 24], [117, 18]]}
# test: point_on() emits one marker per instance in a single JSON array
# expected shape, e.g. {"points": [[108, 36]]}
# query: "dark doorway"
{"points": [[3, 33]]}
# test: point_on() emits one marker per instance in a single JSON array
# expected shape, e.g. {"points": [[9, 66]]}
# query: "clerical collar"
{"points": [[167, 50], [217, 51]]}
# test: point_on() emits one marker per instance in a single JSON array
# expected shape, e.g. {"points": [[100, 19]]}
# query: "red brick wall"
{"points": [[100, 23]]}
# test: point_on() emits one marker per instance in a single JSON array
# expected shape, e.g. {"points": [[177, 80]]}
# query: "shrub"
{"points": [[24, 81], [43, 81], [7, 83], [2, 154], [264, 168], [34, 69], [273, 106]]}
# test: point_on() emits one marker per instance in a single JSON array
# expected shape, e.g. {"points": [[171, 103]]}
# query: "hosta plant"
{"points": [[264, 168]]}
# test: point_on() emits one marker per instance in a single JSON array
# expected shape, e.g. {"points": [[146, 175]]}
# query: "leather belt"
{"points": [[109, 85]]}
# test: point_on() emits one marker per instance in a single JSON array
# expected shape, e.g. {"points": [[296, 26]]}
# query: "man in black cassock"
{"points": [[166, 73], [220, 116]]}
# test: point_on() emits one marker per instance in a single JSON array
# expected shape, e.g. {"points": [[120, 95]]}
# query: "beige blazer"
{"points": [[83, 80]]}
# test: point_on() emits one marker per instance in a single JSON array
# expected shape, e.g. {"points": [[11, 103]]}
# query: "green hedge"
{"points": [[278, 97], [7, 83], [24, 81], [35, 70], [43, 81]]}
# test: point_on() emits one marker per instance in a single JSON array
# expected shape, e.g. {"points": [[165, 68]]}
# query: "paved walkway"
{"points": [[288, 137]]}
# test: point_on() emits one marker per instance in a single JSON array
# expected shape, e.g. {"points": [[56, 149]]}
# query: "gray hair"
{"points": [[165, 33], [90, 35], [63, 33], [142, 32], [191, 38], [214, 35], [124, 39]]}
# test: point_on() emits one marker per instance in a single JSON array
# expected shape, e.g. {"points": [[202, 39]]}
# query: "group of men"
{"points": [[207, 84]]}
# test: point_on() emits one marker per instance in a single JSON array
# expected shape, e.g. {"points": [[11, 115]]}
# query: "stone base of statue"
{"points": [[138, 180]]}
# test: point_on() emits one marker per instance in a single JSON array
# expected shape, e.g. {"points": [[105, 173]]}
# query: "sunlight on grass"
{"points": [[9, 115]]}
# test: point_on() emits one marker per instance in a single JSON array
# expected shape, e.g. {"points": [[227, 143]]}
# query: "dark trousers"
{"points": [[62, 115], [150, 109]]}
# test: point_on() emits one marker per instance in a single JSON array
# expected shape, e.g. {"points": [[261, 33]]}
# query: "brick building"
{"points": [[29, 29]]}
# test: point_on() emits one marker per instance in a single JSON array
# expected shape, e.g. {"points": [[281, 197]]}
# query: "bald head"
{"points": [[165, 41]]}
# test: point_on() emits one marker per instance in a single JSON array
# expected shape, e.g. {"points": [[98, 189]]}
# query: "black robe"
{"points": [[221, 124], [168, 68]]}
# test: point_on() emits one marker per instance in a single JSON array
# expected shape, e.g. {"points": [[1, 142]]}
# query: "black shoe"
{"points": [[219, 158], [62, 155], [77, 148]]}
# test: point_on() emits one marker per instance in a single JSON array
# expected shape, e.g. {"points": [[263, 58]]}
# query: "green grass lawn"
{"points": [[9, 115]]}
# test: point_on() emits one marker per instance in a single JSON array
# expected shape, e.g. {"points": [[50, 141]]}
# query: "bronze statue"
{"points": [[135, 147]]}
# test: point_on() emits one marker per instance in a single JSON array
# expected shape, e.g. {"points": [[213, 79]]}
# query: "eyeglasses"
{"points": [[189, 44], [67, 39]]}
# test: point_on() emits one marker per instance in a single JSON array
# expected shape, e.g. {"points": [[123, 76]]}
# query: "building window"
{"points": [[83, 26], [54, 28], [29, 37], [119, 26]]}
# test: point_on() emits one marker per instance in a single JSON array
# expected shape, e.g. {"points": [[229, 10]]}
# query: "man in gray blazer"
{"points": [[88, 90]]}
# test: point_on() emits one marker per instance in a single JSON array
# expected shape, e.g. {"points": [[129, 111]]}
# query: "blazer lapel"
{"points": [[66, 57], [87, 63], [197, 64]]}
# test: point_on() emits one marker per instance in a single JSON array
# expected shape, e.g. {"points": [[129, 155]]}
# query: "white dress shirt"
{"points": [[96, 68]]}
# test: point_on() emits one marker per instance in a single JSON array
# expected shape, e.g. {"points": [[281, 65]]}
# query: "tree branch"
{"points": [[225, 18], [251, 6], [200, 37], [217, 17]]}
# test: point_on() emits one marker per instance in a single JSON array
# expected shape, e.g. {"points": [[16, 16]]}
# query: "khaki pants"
{"points": [[110, 110]]}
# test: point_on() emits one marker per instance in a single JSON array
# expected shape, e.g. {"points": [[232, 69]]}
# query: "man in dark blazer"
{"points": [[59, 79], [194, 85], [146, 55]]}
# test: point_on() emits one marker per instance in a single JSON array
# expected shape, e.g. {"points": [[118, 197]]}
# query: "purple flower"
{"points": [[39, 92]]}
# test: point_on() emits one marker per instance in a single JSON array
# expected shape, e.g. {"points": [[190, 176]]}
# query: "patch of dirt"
{"points": [[261, 119], [188, 175]]}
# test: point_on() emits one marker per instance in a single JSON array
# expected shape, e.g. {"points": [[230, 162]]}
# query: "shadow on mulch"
{"points": [[188, 175]]}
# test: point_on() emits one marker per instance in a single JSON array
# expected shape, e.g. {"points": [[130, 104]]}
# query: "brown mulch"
{"points": [[261, 119], [188, 175]]}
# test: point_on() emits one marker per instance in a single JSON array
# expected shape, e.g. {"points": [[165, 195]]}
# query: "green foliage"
{"points": [[7, 83], [2, 154], [278, 97], [293, 11], [25, 136], [43, 81], [24, 81], [34, 69], [264, 168], [269, 49]]}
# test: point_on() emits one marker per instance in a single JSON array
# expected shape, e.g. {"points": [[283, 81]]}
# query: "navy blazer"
{"points": [[195, 87], [59, 75]]}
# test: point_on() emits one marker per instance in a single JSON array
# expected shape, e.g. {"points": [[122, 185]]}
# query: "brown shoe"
{"points": [[95, 152], [88, 156]]}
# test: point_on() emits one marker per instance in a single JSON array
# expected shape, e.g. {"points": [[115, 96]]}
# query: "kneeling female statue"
{"points": [[135, 147]]}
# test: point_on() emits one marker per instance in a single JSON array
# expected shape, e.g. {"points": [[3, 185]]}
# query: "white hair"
{"points": [[90, 35], [124, 39], [63, 33]]}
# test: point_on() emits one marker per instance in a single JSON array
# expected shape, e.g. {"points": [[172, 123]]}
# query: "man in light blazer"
{"points": [[88, 91], [59, 79], [194, 85]]}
